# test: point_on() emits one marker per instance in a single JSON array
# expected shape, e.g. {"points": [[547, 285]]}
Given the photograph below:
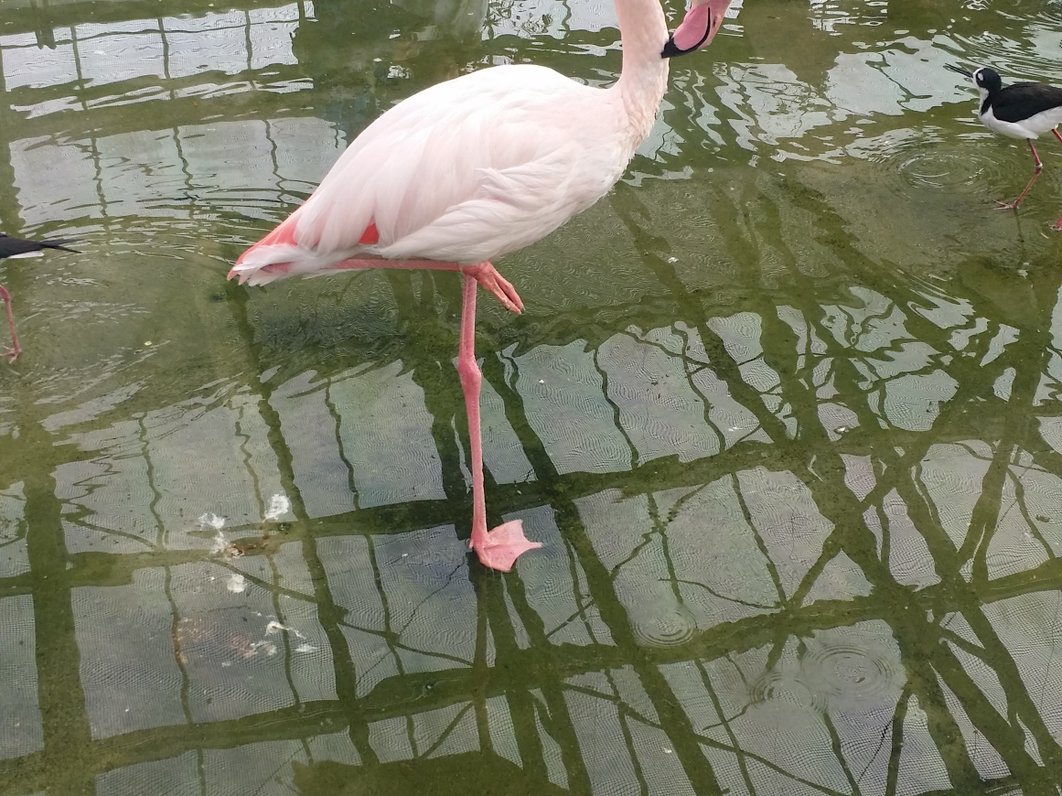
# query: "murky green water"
{"points": [[783, 409]]}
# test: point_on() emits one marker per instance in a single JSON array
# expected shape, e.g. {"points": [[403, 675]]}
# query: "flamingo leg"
{"points": [[484, 273], [1038, 167], [499, 548], [12, 351]]}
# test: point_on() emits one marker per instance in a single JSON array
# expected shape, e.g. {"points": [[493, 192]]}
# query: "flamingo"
{"points": [[17, 247], [473, 168]]}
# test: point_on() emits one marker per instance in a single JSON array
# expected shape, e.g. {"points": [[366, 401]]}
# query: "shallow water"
{"points": [[783, 409]]}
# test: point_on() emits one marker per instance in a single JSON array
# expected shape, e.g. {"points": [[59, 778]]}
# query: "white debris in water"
{"points": [[306, 648], [275, 627], [210, 521], [237, 583], [279, 505]]}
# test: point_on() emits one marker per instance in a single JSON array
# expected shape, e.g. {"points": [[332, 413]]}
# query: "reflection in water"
{"points": [[789, 426]]}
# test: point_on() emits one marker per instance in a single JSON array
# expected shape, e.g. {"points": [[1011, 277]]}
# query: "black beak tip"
{"points": [[958, 69], [670, 49]]}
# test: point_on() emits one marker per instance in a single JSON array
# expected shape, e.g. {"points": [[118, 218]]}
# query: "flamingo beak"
{"points": [[698, 28]]}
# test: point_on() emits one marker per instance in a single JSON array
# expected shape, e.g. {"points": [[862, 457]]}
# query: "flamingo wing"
{"points": [[460, 172]]}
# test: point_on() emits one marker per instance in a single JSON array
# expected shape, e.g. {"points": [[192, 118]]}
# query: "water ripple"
{"points": [[912, 164], [842, 675], [667, 628], [1016, 60]]}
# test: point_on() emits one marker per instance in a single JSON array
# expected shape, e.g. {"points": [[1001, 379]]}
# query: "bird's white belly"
{"points": [[1033, 127]]}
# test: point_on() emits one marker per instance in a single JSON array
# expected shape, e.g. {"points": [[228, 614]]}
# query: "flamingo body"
{"points": [[471, 169], [463, 172]]}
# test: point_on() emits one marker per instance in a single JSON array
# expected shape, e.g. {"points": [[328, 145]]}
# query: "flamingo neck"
{"points": [[643, 79]]}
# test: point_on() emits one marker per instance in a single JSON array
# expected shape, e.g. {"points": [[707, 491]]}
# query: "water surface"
{"points": [[783, 409]]}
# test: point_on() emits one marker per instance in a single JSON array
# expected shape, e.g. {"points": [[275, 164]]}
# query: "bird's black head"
{"points": [[984, 78], [988, 79]]}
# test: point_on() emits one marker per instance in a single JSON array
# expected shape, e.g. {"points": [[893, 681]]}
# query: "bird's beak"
{"points": [[958, 69], [698, 28]]}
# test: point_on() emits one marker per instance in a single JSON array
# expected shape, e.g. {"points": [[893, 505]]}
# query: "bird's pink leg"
{"points": [[1058, 224], [1038, 166], [12, 351], [499, 548]]}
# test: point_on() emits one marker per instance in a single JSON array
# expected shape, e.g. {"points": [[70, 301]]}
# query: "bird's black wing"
{"points": [[1019, 101], [10, 247]]}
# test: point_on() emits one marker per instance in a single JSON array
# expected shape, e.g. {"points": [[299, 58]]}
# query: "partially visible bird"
{"points": [[11, 248], [473, 168], [1020, 110]]}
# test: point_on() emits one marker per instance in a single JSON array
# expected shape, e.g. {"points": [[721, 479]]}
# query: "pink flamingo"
{"points": [[17, 247], [475, 167]]}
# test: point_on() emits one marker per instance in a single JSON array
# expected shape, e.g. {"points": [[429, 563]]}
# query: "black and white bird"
{"points": [[17, 247], [1020, 110]]}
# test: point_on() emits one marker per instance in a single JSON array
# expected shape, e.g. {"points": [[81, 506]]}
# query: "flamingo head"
{"points": [[698, 27]]}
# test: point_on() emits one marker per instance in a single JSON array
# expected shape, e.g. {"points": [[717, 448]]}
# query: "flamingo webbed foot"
{"points": [[489, 279], [498, 549]]}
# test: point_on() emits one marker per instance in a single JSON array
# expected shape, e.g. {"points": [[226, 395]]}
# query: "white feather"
{"points": [[462, 172], [1033, 127]]}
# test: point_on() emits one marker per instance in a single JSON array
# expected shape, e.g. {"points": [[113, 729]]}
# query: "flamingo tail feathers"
{"points": [[280, 255]]}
